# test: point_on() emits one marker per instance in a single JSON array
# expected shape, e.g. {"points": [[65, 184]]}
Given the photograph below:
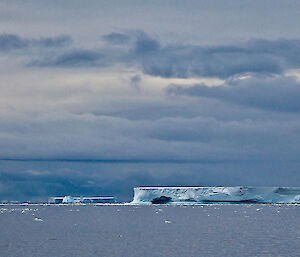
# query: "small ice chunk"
{"points": [[38, 219], [168, 221], [68, 199]]}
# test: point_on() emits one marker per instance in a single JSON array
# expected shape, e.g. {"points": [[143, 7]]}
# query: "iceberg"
{"points": [[81, 199], [240, 194], [68, 199]]}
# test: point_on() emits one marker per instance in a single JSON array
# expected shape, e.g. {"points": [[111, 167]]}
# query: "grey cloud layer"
{"points": [[180, 61], [139, 50], [38, 180], [255, 56], [270, 93], [162, 130], [95, 95], [86, 136], [192, 151], [223, 134]]}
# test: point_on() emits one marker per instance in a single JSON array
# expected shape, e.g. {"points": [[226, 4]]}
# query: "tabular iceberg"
{"points": [[147, 195], [81, 199]]}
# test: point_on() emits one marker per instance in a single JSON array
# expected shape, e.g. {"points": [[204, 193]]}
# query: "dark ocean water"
{"points": [[157, 230]]}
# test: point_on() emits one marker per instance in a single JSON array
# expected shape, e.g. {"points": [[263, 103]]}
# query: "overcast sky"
{"points": [[99, 96]]}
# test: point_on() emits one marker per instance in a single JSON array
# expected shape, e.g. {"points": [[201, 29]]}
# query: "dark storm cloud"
{"points": [[264, 92], [14, 42]]}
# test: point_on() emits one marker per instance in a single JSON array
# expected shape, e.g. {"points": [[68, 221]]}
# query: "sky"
{"points": [[97, 97]]}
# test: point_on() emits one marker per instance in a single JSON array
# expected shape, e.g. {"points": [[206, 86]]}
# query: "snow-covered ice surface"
{"points": [[150, 230], [144, 195]]}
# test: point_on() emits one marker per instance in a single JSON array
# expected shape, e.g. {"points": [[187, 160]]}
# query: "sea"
{"points": [[126, 230]]}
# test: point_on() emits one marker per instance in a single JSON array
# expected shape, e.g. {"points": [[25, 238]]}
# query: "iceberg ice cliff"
{"points": [[147, 195]]}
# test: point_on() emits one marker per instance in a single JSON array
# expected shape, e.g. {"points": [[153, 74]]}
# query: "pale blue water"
{"points": [[157, 230]]}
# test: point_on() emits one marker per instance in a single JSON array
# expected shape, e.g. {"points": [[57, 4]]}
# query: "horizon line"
{"points": [[139, 160]]}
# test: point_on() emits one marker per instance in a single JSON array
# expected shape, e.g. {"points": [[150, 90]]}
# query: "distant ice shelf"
{"points": [[241, 194], [81, 199]]}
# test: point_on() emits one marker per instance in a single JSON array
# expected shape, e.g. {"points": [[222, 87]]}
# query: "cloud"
{"points": [[183, 61], [222, 61], [73, 58], [137, 49], [10, 42], [59, 41], [135, 82], [15, 42], [91, 137], [118, 179], [265, 92], [120, 129], [255, 56], [117, 38], [144, 44], [100, 100]]}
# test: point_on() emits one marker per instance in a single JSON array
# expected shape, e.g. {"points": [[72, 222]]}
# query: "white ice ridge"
{"points": [[145, 195]]}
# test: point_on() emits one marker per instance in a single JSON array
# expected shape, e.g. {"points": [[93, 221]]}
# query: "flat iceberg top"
{"points": [[240, 194]]}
